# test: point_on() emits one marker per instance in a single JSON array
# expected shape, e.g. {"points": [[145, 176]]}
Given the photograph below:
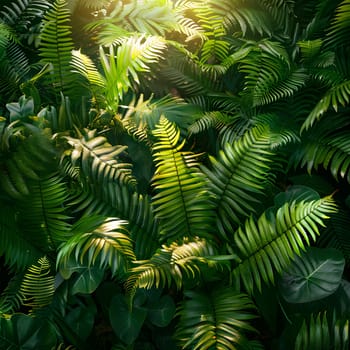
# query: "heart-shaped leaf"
{"points": [[88, 279], [126, 322], [162, 312], [314, 275]]}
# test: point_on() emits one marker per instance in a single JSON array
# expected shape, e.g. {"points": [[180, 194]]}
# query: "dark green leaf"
{"points": [[161, 313], [313, 276], [126, 322]]}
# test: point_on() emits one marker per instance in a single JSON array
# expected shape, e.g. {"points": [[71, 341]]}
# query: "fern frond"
{"points": [[331, 151], [336, 96], [94, 82], [11, 297], [322, 331], [43, 216], [14, 242], [98, 160], [336, 234], [237, 175], [97, 241], [56, 45], [171, 264], [270, 243], [37, 286], [339, 29], [213, 319], [269, 75], [181, 204]]}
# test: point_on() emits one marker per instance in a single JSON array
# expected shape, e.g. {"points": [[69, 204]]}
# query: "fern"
{"points": [[338, 31], [269, 244], [338, 95], [98, 160], [213, 320], [96, 241], [56, 46], [329, 150], [37, 286], [171, 264], [237, 176], [323, 332], [43, 217], [269, 75], [181, 204]]}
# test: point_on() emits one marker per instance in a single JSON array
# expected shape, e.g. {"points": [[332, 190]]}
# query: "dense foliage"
{"points": [[174, 174]]}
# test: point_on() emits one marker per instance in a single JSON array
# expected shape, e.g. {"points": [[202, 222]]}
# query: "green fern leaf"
{"points": [[323, 332], [336, 96], [269, 244], [96, 241], [237, 176], [98, 160], [181, 204], [171, 264], [213, 319], [56, 45], [38, 285]]}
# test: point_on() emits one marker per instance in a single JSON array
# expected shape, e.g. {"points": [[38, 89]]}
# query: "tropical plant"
{"points": [[180, 181]]}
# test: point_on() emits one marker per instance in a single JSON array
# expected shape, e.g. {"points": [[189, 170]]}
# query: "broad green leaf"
{"points": [[24, 332], [161, 313], [81, 320], [88, 280], [126, 322], [314, 275]]}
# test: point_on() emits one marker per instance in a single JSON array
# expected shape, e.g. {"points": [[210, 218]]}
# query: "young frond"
{"points": [[96, 241], [269, 244], [181, 203], [237, 176], [213, 319]]}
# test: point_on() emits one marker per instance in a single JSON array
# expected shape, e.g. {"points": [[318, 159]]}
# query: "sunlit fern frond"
{"points": [[181, 203], [94, 82], [241, 16], [98, 160], [268, 245], [172, 265], [97, 241], [122, 66], [323, 331], [150, 17], [208, 120], [142, 116], [37, 286], [239, 173], [215, 318], [113, 199]]}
